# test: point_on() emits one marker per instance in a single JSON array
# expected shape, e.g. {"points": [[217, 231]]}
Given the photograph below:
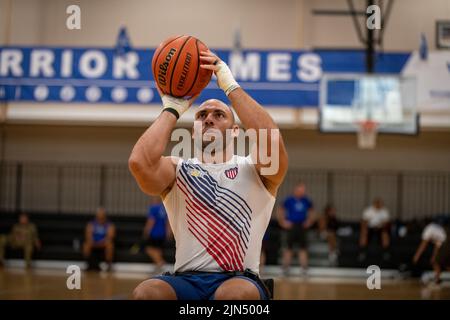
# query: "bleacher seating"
{"points": [[62, 237], [402, 249]]}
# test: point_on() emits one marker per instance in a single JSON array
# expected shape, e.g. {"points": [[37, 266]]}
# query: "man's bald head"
{"points": [[216, 118], [215, 103]]}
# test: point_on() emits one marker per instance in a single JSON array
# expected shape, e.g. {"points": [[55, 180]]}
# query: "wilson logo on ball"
{"points": [[176, 67], [164, 66]]}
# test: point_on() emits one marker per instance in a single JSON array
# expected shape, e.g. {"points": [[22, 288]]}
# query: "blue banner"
{"points": [[100, 75]]}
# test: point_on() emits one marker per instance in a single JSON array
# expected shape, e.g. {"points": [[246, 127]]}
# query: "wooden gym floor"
{"points": [[18, 283]]}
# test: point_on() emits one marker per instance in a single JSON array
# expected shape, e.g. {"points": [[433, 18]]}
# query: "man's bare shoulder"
{"points": [[173, 159]]}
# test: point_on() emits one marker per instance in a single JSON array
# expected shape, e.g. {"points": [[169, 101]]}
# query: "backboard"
{"points": [[348, 100]]}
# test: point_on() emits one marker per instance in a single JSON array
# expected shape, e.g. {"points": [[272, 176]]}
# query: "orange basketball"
{"points": [[176, 67]]}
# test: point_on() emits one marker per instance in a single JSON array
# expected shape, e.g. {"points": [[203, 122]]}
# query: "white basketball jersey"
{"points": [[219, 214]]}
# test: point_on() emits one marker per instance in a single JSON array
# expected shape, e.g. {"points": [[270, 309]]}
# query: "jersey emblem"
{"points": [[195, 173], [231, 173]]}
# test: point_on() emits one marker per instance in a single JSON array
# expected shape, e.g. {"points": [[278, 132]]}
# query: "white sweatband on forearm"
{"points": [[176, 106], [225, 78]]}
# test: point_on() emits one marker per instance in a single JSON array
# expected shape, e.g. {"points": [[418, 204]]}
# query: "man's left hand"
{"points": [[225, 78]]}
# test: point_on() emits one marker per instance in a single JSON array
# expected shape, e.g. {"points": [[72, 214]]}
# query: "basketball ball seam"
{"points": [[175, 65], [156, 59], [198, 68]]}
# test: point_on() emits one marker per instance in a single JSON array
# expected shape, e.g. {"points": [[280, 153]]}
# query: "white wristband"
{"points": [[225, 78], [177, 106]]}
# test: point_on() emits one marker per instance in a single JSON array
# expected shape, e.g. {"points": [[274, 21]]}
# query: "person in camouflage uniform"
{"points": [[24, 235]]}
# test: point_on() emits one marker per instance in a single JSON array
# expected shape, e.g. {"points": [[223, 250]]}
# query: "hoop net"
{"points": [[367, 134]]}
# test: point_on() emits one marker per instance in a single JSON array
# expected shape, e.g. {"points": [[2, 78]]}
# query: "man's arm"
{"points": [[14, 231], [148, 227], [364, 225], [281, 217], [169, 232], [322, 223], [363, 233], [36, 241], [253, 116], [310, 218], [88, 232], [154, 173], [387, 219], [111, 234], [365, 220]]}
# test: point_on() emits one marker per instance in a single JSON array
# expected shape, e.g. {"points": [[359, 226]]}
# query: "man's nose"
{"points": [[209, 120]]}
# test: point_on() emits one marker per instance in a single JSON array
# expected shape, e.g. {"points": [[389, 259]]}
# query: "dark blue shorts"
{"points": [[201, 286]]}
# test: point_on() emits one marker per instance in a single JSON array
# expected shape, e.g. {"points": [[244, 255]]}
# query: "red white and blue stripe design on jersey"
{"points": [[216, 216]]}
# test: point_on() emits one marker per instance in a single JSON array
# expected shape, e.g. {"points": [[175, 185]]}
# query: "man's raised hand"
{"points": [[225, 78]]}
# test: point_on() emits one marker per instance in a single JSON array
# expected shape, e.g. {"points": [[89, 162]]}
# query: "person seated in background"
{"points": [[328, 225], [24, 235], [375, 221], [100, 234], [156, 232], [436, 235]]}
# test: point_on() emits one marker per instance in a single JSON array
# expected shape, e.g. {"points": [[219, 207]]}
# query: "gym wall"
{"points": [[42, 22]]}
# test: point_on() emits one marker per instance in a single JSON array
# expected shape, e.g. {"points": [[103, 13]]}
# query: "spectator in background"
{"points": [[24, 235], [263, 257], [433, 234], [100, 234], [328, 225], [296, 216], [436, 235], [375, 222], [442, 261], [156, 232]]}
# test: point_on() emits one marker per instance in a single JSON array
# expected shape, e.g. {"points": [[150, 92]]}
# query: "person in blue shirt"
{"points": [[100, 234], [296, 215], [156, 232]]}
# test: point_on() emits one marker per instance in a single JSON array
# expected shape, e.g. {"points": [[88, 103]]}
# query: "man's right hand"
{"points": [[176, 106]]}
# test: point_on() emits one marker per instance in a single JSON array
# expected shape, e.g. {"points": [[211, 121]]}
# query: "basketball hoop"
{"points": [[367, 134]]}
